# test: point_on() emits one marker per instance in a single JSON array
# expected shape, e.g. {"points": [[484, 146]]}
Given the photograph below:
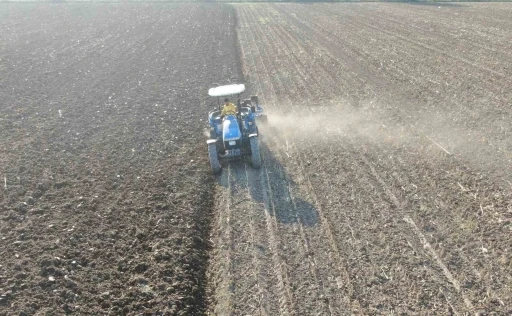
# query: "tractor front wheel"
{"points": [[255, 152]]}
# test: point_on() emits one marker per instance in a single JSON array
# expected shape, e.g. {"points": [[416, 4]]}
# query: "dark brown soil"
{"points": [[108, 194]]}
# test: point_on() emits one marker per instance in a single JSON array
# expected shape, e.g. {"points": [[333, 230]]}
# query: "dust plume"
{"points": [[326, 124]]}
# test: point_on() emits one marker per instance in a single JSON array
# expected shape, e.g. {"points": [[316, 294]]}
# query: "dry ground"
{"points": [[386, 186], [386, 183]]}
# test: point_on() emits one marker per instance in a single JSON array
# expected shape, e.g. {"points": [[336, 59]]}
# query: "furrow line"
{"points": [[436, 50], [301, 226], [418, 233], [363, 174], [347, 284], [265, 160], [286, 297], [264, 298], [305, 238], [325, 225], [223, 290], [287, 305], [365, 56], [326, 228], [327, 61], [305, 241], [244, 280], [445, 225], [302, 163]]}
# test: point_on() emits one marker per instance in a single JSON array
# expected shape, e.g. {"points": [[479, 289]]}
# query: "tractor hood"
{"points": [[230, 129]]}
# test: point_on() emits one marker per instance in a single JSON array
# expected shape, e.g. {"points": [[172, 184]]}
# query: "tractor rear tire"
{"points": [[214, 158], [255, 152], [213, 134]]}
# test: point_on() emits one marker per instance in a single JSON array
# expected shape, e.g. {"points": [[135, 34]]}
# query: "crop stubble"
{"points": [[390, 123]]}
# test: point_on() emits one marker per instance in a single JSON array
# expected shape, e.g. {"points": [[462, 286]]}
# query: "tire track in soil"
{"points": [[285, 190], [275, 201], [276, 188], [462, 256], [339, 301], [327, 233], [223, 248], [395, 201], [249, 248], [401, 258], [296, 67], [469, 305], [275, 40], [286, 300], [272, 291]]}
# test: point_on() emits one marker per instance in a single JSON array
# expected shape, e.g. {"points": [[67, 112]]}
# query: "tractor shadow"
{"points": [[270, 189]]}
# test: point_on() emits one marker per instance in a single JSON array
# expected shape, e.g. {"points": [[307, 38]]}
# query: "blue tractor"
{"points": [[234, 136]]}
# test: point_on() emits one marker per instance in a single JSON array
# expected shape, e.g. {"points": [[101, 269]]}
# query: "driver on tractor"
{"points": [[228, 109]]}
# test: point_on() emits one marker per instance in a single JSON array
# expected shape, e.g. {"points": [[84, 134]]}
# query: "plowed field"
{"points": [[108, 195], [386, 185]]}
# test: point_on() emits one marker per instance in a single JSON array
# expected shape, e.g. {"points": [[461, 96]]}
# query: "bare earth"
{"points": [[387, 179], [108, 195], [388, 160]]}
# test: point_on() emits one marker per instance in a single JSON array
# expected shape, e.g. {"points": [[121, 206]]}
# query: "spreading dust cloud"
{"points": [[431, 133], [327, 123]]}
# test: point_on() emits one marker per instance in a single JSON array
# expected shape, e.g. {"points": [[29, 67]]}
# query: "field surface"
{"points": [[108, 193], [386, 185], [387, 163]]}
